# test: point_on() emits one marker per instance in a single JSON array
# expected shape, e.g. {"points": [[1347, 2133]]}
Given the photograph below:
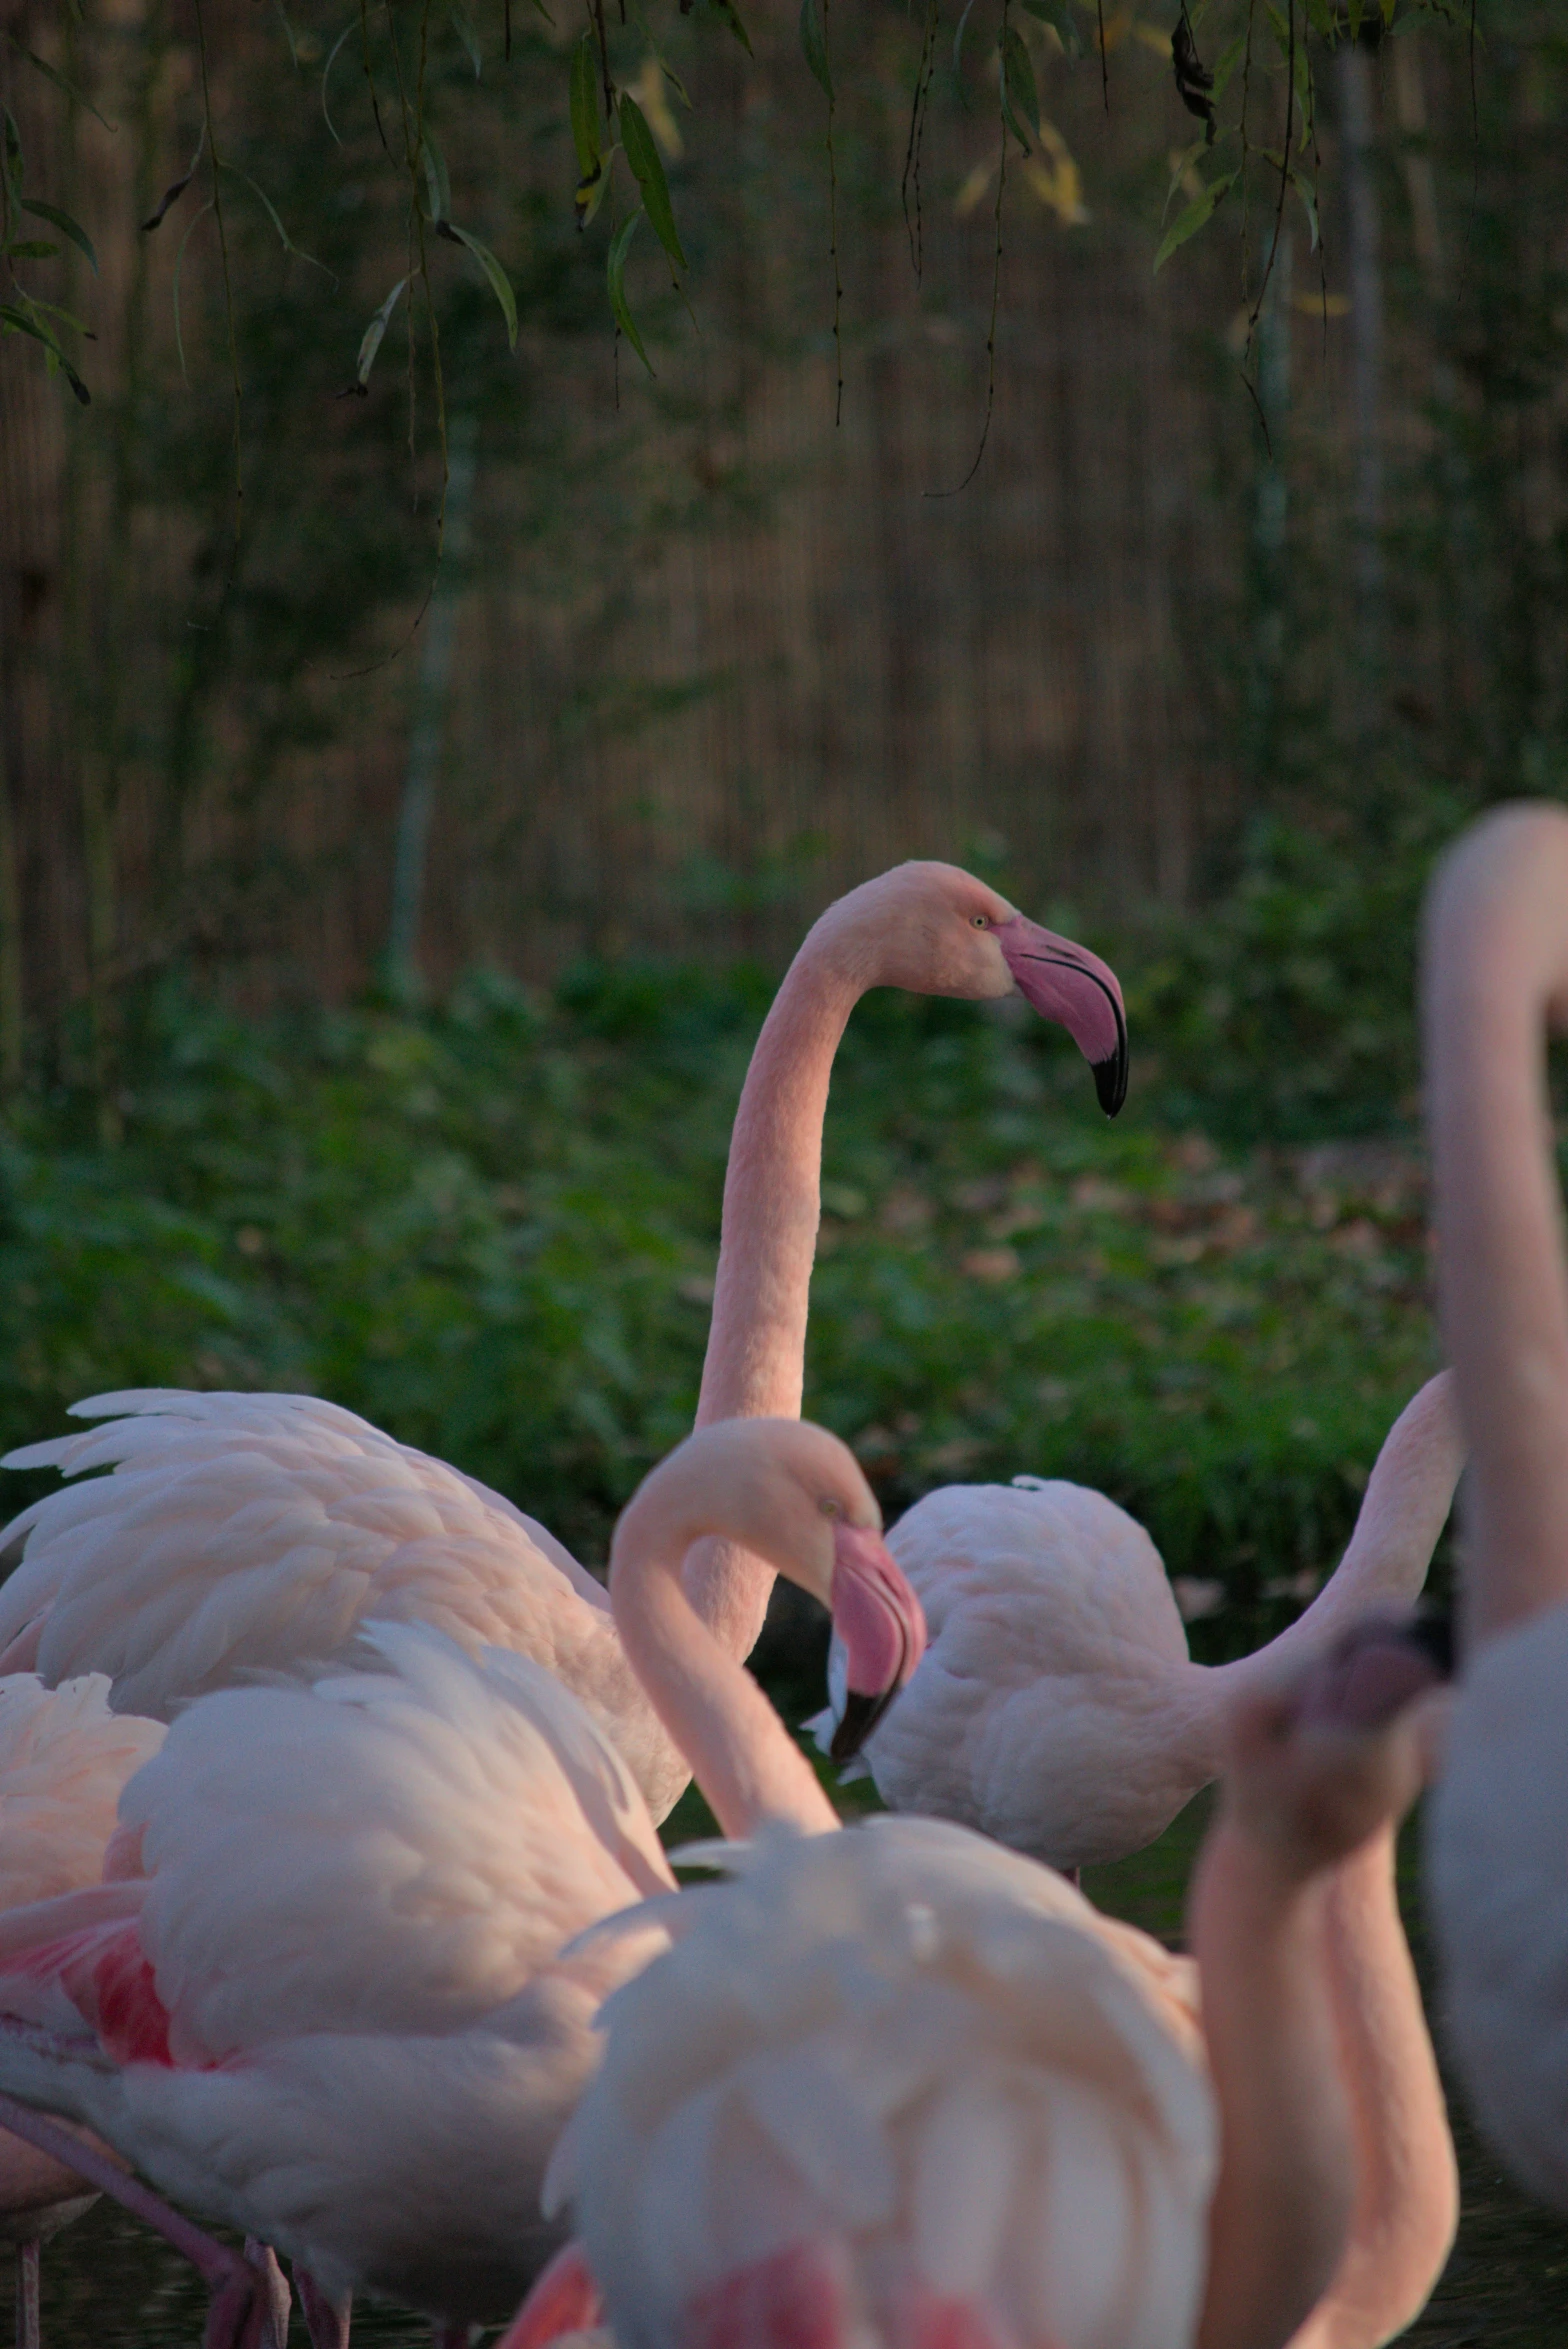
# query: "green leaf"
{"points": [[16, 321], [13, 148], [179, 258], [467, 35], [1230, 58], [332, 54], [500, 283], [585, 109], [958, 37], [64, 223], [615, 278], [50, 75], [267, 205], [31, 249], [1059, 16], [648, 172], [1187, 224], [1019, 95], [437, 184], [815, 46], [375, 334], [288, 33], [729, 14], [1322, 18]]}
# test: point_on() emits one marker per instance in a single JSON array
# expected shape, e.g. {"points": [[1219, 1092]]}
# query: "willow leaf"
{"points": [[51, 74], [615, 278], [815, 45], [64, 223], [500, 283], [375, 335], [585, 109], [1019, 95], [1187, 224], [648, 172]]}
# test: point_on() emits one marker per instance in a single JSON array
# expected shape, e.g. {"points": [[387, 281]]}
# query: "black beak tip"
{"points": [[860, 1717], [1110, 1080]]}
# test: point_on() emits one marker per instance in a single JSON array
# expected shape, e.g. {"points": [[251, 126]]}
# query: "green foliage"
{"points": [[492, 1228], [1287, 1011]]}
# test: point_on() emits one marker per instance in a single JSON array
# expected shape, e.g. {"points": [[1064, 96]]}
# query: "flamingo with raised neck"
{"points": [[1495, 982], [246, 1535]]}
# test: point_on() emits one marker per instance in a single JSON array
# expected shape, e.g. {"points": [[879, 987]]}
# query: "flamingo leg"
{"points": [[27, 2323], [275, 2292], [562, 2299], [238, 2310], [326, 2321]]}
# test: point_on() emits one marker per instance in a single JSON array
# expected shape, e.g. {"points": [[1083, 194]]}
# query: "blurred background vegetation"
{"points": [[374, 996]]}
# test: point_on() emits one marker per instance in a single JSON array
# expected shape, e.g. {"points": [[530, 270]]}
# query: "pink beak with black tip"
{"points": [[883, 1628], [1068, 984]]}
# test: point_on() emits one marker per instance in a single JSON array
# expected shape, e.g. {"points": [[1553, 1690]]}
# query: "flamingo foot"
{"points": [[28, 2334], [797, 2299], [326, 2321], [563, 2299], [240, 2306]]}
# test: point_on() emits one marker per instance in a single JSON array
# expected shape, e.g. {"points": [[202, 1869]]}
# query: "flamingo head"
{"points": [[794, 1495], [937, 930]]}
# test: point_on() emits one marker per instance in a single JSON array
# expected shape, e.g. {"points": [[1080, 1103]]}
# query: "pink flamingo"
{"points": [[243, 1535], [1496, 986], [1057, 1708], [326, 1996], [905, 2089], [64, 1758]]}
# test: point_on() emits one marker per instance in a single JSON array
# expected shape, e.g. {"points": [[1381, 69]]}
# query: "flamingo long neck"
{"points": [[1496, 972], [755, 1365], [742, 1757]]}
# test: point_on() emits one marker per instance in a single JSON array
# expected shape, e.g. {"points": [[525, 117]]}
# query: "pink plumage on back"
{"points": [[64, 1759], [247, 1536]]}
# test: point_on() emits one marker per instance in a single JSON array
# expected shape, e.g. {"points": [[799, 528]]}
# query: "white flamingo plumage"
{"points": [[903, 2089], [246, 1535], [325, 1998], [1495, 983], [1057, 1708]]}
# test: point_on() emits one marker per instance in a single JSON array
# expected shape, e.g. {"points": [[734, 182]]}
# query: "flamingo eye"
{"points": [[981, 921], [829, 1507]]}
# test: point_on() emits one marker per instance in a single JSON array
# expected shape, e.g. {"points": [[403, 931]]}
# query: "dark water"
{"points": [[107, 2284]]}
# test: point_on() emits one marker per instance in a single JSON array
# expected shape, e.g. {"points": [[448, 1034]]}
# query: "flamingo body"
{"points": [[1497, 1876], [247, 1535], [331, 2011], [888, 2074], [1057, 1708]]}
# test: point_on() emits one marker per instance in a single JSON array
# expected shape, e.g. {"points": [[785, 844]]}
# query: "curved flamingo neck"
{"points": [[1496, 975], [743, 1758], [755, 1364]]}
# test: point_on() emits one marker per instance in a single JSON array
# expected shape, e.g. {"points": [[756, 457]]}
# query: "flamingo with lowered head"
{"points": [[325, 1997], [248, 1535], [1496, 986], [1057, 1708], [903, 2089]]}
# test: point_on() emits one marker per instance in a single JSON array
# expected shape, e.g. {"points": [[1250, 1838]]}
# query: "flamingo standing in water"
{"points": [[1496, 986], [325, 1998], [64, 1759], [1057, 1708], [904, 2089], [248, 1535]]}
